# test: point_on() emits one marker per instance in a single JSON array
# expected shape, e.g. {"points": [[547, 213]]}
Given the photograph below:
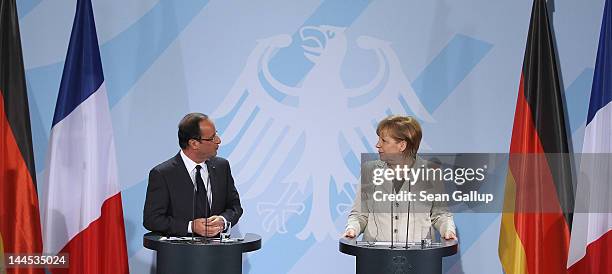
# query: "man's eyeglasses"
{"points": [[211, 139]]}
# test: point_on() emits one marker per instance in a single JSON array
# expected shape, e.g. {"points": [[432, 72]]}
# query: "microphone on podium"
{"points": [[193, 204]]}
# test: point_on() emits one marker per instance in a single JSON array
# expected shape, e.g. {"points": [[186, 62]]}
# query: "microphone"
{"points": [[396, 188], [408, 216], [392, 228], [193, 204], [211, 173], [208, 209]]}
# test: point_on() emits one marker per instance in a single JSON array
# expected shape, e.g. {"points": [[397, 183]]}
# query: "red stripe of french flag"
{"points": [[82, 211], [591, 240]]}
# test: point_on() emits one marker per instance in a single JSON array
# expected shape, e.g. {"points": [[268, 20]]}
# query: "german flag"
{"points": [[534, 233], [20, 231]]}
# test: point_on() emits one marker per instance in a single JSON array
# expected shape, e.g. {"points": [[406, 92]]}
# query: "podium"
{"points": [[383, 259], [184, 256]]}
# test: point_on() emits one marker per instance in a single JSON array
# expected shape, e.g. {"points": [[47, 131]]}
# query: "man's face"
{"points": [[209, 144]]}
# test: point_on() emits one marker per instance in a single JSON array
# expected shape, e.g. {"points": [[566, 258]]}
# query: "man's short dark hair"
{"points": [[189, 128]]}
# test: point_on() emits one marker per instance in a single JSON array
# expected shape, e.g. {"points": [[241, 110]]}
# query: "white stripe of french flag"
{"points": [[82, 212], [591, 237]]}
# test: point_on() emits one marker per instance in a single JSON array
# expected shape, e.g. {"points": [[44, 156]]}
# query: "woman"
{"points": [[399, 138]]}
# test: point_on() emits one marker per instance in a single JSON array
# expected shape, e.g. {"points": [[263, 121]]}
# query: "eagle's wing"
{"points": [[390, 92], [249, 123]]}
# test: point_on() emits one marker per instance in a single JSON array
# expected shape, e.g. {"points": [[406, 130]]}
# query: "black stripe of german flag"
{"points": [[20, 229], [534, 233], [542, 92], [12, 83]]}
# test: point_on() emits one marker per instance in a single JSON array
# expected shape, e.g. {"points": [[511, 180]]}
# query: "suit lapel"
{"points": [[214, 185], [184, 180]]}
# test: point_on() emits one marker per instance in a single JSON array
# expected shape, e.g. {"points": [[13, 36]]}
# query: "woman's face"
{"points": [[389, 148]]}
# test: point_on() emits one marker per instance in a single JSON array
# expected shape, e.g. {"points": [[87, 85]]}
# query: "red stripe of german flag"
{"points": [[534, 234], [19, 213]]}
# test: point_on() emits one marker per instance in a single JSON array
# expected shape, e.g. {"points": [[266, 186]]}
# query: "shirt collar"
{"points": [[190, 164]]}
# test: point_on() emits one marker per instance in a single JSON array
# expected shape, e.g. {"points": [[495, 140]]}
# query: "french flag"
{"points": [[591, 238], [82, 213]]}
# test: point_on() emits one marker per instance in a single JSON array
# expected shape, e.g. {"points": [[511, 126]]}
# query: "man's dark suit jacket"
{"points": [[169, 203]]}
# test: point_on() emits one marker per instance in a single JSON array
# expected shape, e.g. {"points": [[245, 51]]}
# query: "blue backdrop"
{"points": [[295, 88]]}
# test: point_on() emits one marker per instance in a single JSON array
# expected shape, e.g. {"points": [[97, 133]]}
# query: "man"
{"points": [[192, 192]]}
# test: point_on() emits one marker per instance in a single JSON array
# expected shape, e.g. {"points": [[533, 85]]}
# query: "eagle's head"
{"points": [[323, 42]]}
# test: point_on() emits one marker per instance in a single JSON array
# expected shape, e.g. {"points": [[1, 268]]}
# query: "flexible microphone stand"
{"points": [[207, 209], [193, 203], [408, 213], [392, 246]]}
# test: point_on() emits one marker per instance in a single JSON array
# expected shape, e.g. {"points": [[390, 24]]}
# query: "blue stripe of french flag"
{"points": [[591, 237], [82, 212]]}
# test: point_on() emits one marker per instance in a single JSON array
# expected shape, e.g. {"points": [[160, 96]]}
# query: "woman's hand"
{"points": [[349, 233], [449, 235]]}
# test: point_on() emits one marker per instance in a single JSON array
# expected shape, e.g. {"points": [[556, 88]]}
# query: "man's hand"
{"points": [[216, 221], [350, 233], [204, 227], [449, 235]]}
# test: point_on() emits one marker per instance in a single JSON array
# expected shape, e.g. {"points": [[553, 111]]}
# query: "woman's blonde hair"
{"points": [[402, 128]]}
